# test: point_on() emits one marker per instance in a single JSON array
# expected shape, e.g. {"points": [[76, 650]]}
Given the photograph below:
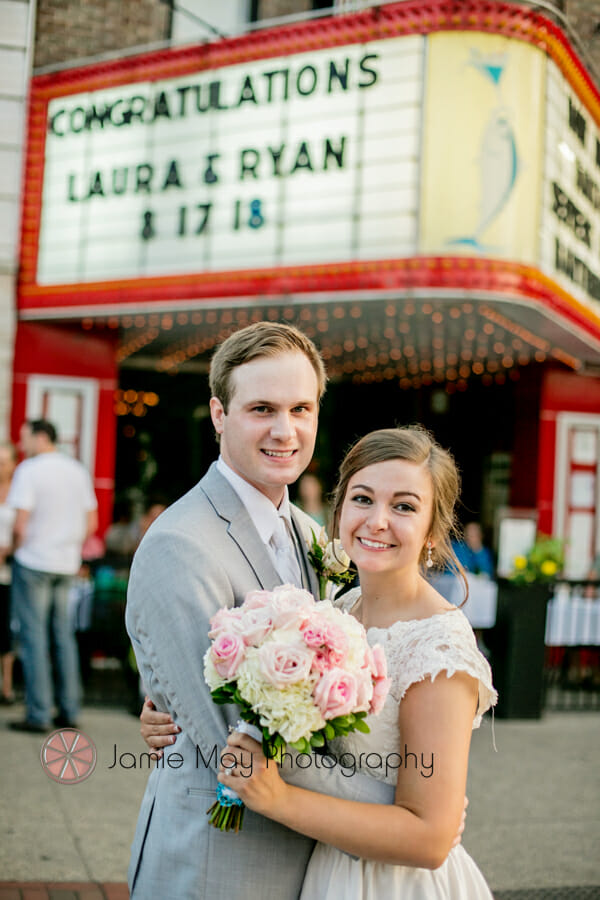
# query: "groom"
{"points": [[234, 532]]}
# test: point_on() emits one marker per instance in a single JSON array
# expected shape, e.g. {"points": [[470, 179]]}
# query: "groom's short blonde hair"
{"points": [[253, 342]]}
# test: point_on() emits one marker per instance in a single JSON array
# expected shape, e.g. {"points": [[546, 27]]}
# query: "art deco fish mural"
{"points": [[498, 159]]}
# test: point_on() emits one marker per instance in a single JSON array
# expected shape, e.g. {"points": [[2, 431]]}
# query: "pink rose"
{"points": [[227, 652], [320, 661], [291, 605], [330, 642], [315, 631], [225, 619], [336, 693], [337, 643], [256, 600], [364, 691], [381, 683], [255, 625], [284, 664], [379, 662], [381, 688]]}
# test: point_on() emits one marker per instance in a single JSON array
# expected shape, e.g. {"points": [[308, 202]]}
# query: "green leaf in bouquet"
{"points": [[329, 731], [334, 725], [341, 730], [317, 740], [340, 722], [273, 745], [302, 745], [223, 694], [361, 725]]}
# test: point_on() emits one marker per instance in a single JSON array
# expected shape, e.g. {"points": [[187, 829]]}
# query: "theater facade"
{"points": [[417, 186]]}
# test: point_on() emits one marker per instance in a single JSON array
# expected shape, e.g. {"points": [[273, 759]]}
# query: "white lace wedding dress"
{"points": [[443, 643]]}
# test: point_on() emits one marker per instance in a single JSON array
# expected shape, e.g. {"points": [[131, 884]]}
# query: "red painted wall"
{"points": [[59, 350], [561, 392]]}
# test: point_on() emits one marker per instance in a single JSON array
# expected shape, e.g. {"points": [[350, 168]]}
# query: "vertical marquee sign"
{"points": [[571, 219]]}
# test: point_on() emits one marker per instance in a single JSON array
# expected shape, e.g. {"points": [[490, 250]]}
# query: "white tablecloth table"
{"points": [[572, 620], [480, 608]]}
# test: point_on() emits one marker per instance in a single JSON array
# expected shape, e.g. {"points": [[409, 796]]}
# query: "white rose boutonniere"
{"points": [[330, 561]]}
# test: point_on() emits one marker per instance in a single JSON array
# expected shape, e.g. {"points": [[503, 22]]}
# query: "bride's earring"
{"points": [[429, 561]]}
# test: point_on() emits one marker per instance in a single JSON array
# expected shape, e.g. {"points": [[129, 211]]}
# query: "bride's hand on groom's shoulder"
{"points": [[157, 728], [256, 779]]}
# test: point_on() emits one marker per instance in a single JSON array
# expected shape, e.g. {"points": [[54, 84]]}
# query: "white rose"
{"points": [[323, 540], [335, 558], [211, 676], [255, 624], [286, 663], [290, 605], [290, 712]]}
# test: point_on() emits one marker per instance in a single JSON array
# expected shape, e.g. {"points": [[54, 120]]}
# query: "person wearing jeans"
{"points": [[55, 513], [42, 602]]}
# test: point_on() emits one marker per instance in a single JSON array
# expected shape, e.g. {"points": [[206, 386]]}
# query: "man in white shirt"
{"points": [[56, 511]]}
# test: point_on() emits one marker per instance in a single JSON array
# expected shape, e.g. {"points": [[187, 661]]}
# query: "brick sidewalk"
{"points": [[54, 890]]}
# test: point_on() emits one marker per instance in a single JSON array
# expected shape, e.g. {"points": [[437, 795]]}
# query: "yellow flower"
{"points": [[548, 567], [520, 563]]}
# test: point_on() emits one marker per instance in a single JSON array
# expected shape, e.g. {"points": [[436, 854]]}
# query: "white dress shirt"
{"points": [[266, 518]]}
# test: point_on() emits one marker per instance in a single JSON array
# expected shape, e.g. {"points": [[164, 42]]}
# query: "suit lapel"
{"points": [[304, 539], [240, 528]]}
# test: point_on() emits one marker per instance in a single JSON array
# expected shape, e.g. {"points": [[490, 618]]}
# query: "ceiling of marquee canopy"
{"points": [[416, 341]]}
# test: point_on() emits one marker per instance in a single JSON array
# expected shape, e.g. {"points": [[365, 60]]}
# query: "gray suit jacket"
{"points": [[203, 553]]}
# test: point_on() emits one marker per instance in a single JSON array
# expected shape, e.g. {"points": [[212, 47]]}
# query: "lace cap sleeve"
{"points": [[443, 643]]}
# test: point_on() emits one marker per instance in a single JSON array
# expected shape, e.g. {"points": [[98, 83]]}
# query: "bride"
{"points": [[394, 510]]}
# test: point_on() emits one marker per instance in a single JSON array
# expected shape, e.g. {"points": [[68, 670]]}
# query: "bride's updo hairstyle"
{"points": [[414, 444]]}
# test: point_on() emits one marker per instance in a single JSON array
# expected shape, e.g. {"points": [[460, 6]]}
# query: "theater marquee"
{"points": [[305, 158], [393, 151]]}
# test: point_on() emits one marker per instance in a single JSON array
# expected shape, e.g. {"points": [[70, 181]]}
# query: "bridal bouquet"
{"points": [[301, 672]]}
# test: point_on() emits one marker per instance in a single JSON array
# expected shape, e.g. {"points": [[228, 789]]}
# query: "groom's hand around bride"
{"points": [[245, 768], [256, 779], [157, 728]]}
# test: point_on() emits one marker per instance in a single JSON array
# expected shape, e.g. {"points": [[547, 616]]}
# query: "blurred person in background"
{"points": [[310, 498], [56, 511], [121, 537], [471, 552], [477, 559], [8, 461], [154, 505]]}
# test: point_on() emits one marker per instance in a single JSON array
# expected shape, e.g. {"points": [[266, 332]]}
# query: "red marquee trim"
{"points": [[415, 273], [387, 21]]}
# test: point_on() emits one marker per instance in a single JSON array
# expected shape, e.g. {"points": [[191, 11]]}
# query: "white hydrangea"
{"points": [[292, 713]]}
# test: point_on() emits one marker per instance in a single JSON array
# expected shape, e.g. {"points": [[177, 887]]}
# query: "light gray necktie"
{"points": [[286, 561]]}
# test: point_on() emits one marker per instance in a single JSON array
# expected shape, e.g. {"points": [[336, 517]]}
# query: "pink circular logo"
{"points": [[68, 756]]}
